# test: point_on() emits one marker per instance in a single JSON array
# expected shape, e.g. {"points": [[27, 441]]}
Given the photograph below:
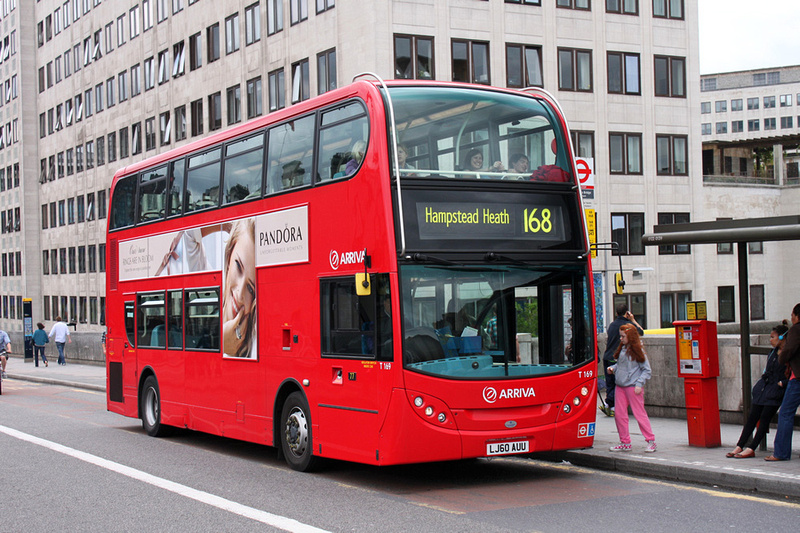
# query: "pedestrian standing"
{"points": [[624, 316], [790, 355], [5, 349], [40, 338], [631, 371], [61, 333]]}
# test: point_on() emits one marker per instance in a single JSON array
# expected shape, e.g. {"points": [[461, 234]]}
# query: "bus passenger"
{"points": [[518, 164], [473, 162], [357, 154], [402, 160], [239, 291]]}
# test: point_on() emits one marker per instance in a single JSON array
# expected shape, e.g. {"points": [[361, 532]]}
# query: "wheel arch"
{"points": [[288, 386]]}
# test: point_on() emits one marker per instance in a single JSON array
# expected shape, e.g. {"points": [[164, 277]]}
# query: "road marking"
{"points": [[712, 492], [280, 522]]}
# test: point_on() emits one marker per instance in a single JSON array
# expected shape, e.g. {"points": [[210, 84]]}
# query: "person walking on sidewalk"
{"points": [[612, 343], [5, 349], [767, 396], [790, 355], [631, 371], [39, 340], [61, 333]]}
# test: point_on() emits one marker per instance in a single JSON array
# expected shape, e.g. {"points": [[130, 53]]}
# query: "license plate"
{"points": [[504, 448]]}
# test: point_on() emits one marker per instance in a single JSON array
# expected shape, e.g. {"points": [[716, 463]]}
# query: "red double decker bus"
{"points": [[388, 273]]}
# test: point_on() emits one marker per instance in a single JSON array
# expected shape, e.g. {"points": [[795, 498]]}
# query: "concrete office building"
{"points": [[112, 82], [750, 132]]}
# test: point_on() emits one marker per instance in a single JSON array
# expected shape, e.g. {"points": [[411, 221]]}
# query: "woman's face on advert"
{"points": [[240, 283]]}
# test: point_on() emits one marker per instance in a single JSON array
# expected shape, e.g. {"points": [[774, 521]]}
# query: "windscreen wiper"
{"points": [[491, 257], [422, 258]]}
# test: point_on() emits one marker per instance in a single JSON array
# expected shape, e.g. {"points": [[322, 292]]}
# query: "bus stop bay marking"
{"points": [[277, 521]]}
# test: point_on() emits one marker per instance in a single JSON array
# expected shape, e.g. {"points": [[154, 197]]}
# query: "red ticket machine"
{"points": [[698, 364]]}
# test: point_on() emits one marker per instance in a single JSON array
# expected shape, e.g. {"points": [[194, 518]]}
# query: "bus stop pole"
{"points": [[744, 328]]}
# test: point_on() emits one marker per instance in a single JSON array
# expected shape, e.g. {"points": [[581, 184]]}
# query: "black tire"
{"points": [[295, 433], [150, 408]]}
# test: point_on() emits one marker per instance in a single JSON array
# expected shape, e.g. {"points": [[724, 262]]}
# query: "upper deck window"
{"points": [[475, 134]]}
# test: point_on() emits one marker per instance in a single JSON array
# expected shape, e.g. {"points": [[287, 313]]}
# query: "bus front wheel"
{"points": [[151, 408], [296, 441]]}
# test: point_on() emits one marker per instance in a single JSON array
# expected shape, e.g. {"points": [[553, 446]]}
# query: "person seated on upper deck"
{"points": [[473, 163], [293, 175], [518, 165], [402, 161], [357, 153]]}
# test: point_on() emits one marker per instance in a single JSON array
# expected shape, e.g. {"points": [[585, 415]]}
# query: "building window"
{"points": [[637, 304], [136, 138], [574, 69], [136, 80], [197, 117], [471, 61], [163, 67], [252, 24], [672, 9], [180, 123], [726, 304], [705, 108], [413, 57], [523, 66], [583, 143], [232, 34], [623, 73], [274, 16], [277, 90], [147, 15], [721, 106], [215, 111], [752, 103], [673, 218], [300, 82], [786, 100], [234, 99], [625, 150], [164, 128], [624, 7], [178, 59], [672, 154], [757, 307], [670, 76], [326, 71], [254, 99], [212, 40], [769, 102], [737, 104], [149, 73], [112, 146], [673, 307], [574, 4], [705, 128], [134, 22], [324, 5], [195, 51], [122, 85], [724, 247], [753, 125], [627, 230], [770, 123], [298, 10], [737, 126]]}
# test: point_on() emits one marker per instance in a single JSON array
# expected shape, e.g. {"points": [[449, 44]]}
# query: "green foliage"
{"points": [[528, 317]]}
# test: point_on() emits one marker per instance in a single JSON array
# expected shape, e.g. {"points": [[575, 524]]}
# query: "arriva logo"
{"points": [[345, 258], [490, 395]]}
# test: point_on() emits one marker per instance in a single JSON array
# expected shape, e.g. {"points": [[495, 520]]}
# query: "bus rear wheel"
{"points": [[150, 407], [296, 439]]}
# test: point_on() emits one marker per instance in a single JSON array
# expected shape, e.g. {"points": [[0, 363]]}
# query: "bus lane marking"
{"points": [[277, 521]]}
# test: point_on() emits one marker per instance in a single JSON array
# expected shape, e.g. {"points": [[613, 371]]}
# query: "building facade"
{"points": [[112, 82]]}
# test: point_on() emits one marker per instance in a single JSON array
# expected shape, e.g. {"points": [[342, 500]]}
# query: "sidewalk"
{"points": [[675, 460]]}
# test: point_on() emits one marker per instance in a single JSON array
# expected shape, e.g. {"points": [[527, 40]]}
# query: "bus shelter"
{"points": [[741, 232]]}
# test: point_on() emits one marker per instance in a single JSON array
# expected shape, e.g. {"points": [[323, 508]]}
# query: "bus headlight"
{"points": [[567, 408], [429, 411], [418, 401], [442, 417], [584, 391], [576, 401]]}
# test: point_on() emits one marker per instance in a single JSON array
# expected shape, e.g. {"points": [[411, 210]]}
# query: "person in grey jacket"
{"points": [[631, 372]]}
